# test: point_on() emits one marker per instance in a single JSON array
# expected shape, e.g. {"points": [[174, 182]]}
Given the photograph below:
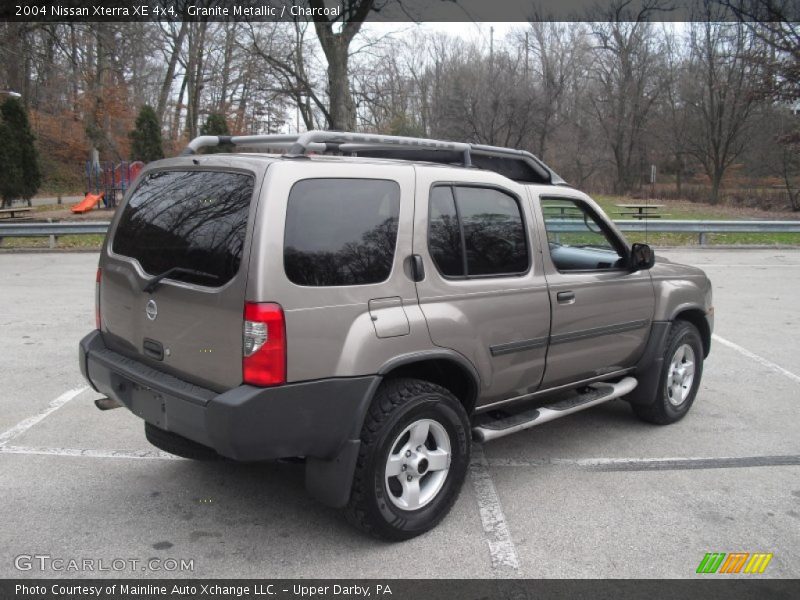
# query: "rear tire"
{"points": [[177, 444], [680, 376], [414, 455]]}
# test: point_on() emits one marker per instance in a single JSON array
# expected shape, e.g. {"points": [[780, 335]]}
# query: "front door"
{"points": [[602, 312]]}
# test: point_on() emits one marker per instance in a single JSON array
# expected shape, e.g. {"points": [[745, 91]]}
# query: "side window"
{"points": [[445, 241], [576, 237], [476, 231], [341, 231]]}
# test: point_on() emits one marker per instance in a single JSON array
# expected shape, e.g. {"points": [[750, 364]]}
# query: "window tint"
{"points": [[191, 219], [445, 234], [493, 231], [341, 231], [575, 237], [479, 227]]}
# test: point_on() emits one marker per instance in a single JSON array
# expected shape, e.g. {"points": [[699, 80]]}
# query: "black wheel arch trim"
{"points": [[437, 354], [701, 322]]}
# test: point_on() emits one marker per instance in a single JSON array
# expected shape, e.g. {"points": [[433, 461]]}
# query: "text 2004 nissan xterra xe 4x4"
{"points": [[372, 304]]}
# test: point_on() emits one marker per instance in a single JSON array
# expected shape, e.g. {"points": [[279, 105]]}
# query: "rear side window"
{"points": [[476, 231], [445, 240], [341, 231], [192, 220]]}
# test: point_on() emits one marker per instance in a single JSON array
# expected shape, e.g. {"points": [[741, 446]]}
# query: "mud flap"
{"points": [[330, 481], [648, 370]]}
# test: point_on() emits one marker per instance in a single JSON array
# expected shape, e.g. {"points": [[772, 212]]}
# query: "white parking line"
{"points": [[501, 546], [653, 464], [26, 424], [759, 359], [86, 452]]}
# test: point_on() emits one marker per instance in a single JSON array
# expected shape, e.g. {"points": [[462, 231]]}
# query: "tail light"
{"points": [[263, 344], [97, 279]]}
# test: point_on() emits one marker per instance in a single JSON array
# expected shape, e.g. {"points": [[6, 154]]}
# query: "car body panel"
{"points": [[501, 323], [605, 327], [198, 327], [330, 330]]}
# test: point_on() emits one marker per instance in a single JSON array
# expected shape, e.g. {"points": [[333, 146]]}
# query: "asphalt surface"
{"points": [[596, 494]]}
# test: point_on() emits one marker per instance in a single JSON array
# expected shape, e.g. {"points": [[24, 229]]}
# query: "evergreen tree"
{"points": [[146, 137], [215, 125], [20, 174]]}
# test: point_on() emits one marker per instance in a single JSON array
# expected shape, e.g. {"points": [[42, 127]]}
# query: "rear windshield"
{"points": [[194, 220]]}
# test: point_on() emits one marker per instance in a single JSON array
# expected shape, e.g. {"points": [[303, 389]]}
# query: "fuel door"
{"points": [[389, 317]]}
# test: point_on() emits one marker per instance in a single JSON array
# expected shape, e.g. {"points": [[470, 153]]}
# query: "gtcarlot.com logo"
{"points": [[734, 562], [47, 562]]}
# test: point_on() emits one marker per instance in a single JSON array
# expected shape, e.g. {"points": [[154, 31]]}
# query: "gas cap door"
{"points": [[389, 317]]}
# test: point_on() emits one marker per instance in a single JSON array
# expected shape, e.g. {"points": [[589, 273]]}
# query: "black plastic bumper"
{"points": [[320, 420]]}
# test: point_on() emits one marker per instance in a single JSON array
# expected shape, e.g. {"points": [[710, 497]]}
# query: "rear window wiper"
{"points": [[154, 282]]}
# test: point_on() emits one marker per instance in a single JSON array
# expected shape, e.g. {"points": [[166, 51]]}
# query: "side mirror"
{"points": [[642, 257]]}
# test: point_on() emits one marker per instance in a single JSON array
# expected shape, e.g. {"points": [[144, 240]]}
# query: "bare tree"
{"points": [[551, 53], [626, 84], [673, 123], [336, 46], [720, 96]]}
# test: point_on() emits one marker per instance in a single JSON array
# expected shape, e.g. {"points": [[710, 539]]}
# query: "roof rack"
{"points": [[516, 164]]}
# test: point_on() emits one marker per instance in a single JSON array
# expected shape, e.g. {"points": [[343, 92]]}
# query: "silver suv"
{"points": [[372, 304]]}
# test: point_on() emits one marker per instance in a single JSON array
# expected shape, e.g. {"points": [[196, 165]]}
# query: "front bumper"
{"points": [[315, 419]]}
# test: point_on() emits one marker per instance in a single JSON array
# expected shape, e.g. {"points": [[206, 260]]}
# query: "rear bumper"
{"points": [[315, 419]]}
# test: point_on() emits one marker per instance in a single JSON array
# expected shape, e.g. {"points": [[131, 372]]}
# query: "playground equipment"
{"points": [[106, 182], [89, 202]]}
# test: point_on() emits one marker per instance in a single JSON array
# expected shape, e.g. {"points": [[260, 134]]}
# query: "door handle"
{"points": [[565, 297], [417, 268]]}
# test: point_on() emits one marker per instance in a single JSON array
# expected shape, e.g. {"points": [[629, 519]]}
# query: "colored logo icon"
{"points": [[734, 562]]}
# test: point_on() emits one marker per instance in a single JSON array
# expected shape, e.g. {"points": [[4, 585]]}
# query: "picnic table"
{"points": [[641, 211], [13, 213]]}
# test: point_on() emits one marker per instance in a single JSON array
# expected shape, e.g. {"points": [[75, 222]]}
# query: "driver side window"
{"points": [[576, 237]]}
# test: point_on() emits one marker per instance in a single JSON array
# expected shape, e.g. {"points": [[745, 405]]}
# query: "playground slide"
{"points": [[88, 203]]}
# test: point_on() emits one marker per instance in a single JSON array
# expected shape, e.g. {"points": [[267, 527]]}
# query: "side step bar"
{"points": [[597, 393]]}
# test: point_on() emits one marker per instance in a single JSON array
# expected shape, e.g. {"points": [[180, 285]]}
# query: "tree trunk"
{"points": [[176, 123], [336, 47], [716, 183], [343, 112], [16, 65], [166, 86]]}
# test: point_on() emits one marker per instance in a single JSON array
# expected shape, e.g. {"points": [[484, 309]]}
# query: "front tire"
{"points": [[680, 376], [414, 455]]}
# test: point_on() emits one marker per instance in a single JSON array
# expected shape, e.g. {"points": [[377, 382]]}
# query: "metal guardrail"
{"points": [[702, 228], [53, 230]]}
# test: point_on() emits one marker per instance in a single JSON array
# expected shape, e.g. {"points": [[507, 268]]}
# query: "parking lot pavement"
{"points": [[597, 494]]}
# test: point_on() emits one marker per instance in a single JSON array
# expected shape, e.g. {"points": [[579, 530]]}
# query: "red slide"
{"points": [[88, 203]]}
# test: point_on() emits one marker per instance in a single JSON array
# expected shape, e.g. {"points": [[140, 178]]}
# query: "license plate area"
{"points": [[148, 404]]}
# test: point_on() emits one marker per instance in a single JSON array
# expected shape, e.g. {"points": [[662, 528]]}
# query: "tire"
{"points": [[675, 395], [386, 506], [177, 444]]}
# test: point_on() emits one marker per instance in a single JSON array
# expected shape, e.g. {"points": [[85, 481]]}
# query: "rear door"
{"points": [[602, 312], [484, 293], [196, 222]]}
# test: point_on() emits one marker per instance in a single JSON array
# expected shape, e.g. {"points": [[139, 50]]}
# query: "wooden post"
{"points": [[703, 238]]}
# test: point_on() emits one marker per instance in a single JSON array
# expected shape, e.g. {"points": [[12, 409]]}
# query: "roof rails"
{"points": [[506, 161]]}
